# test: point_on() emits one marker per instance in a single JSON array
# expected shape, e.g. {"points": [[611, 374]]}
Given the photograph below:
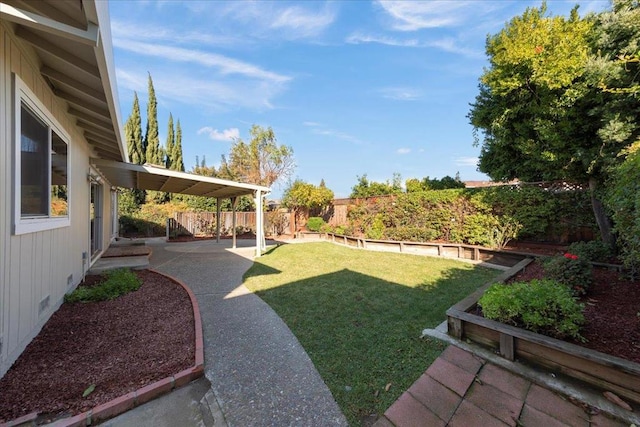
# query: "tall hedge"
{"points": [[473, 216]]}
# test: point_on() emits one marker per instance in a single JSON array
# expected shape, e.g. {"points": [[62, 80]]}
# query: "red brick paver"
{"points": [[460, 389], [442, 401], [498, 403], [558, 407], [450, 375], [469, 415], [511, 384], [408, 412]]}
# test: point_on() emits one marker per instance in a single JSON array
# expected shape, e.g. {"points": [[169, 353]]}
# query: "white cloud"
{"points": [[450, 45], [417, 15], [359, 38], [337, 134], [225, 65], [230, 134], [302, 22], [466, 161], [403, 150], [420, 15], [148, 32], [272, 21], [400, 93], [187, 88], [311, 124]]}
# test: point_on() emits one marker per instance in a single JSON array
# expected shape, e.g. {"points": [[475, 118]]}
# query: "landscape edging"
{"points": [[144, 394]]}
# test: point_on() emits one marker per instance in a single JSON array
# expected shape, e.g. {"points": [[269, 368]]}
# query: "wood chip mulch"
{"points": [[612, 312], [118, 346]]}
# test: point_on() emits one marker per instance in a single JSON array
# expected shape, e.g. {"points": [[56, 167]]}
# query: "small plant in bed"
{"points": [[571, 270], [541, 306], [114, 284]]}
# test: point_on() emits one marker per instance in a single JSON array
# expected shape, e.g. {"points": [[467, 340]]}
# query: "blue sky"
{"points": [[355, 87]]}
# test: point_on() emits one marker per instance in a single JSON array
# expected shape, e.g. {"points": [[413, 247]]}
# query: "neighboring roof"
{"points": [[72, 39], [145, 177]]}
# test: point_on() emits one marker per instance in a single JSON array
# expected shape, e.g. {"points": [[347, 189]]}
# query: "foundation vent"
{"points": [[44, 305]]}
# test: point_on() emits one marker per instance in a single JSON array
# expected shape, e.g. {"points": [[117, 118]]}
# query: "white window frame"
{"points": [[23, 225]]}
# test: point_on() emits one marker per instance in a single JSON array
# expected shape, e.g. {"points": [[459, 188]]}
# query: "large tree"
{"points": [[365, 188], [170, 144], [133, 133], [260, 161], [301, 196], [541, 109], [177, 162], [153, 153]]}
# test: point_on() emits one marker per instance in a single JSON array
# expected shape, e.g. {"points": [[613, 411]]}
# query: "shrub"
{"points": [[315, 223], [594, 250], [572, 271], [541, 306], [115, 283], [478, 229], [411, 234]]}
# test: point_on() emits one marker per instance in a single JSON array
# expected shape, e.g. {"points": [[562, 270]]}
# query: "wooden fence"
{"points": [[204, 223]]}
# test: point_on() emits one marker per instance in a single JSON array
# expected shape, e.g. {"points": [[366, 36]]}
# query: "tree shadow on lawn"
{"points": [[363, 333]]}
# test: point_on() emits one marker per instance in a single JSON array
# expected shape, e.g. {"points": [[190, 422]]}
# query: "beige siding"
{"points": [[37, 266]]}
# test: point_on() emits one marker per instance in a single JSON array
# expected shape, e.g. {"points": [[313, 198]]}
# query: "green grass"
{"points": [[359, 314]]}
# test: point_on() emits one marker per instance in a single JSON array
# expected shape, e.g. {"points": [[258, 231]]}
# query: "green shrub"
{"points": [[376, 231], [593, 251], [478, 229], [570, 270], [410, 234], [315, 223], [542, 306], [115, 283]]}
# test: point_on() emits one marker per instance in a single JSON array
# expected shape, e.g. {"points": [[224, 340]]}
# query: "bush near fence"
{"points": [[558, 213]]}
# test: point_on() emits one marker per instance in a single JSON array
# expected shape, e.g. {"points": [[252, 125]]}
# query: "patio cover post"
{"points": [[217, 219], [233, 220], [258, 223]]}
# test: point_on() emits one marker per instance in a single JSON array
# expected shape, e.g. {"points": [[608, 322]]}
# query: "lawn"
{"points": [[359, 314]]}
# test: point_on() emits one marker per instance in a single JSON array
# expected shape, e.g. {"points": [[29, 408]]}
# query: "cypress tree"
{"points": [[133, 132], [176, 158], [169, 146], [151, 140]]}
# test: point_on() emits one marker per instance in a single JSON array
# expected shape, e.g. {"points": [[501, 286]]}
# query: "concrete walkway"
{"points": [[259, 374]]}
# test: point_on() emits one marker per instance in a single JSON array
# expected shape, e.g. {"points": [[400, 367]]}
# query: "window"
{"points": [[41, 166]]}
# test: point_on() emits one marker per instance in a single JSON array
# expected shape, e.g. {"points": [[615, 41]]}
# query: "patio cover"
{"points": [[148, 177]]}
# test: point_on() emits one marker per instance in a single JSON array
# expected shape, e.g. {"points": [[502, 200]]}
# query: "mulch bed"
{"points": [[118, 346], [612, 312]]}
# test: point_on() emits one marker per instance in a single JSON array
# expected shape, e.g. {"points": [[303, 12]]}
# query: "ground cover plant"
{"points": [[359, 314]]}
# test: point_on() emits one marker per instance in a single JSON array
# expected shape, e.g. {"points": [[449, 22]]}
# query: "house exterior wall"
{"points": [[38, 268]]}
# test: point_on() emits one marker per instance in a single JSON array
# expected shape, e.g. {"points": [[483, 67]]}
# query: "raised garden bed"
{"points": [[606, 372]]}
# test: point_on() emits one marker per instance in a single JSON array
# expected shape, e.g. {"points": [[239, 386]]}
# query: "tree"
{"points": [[414, 185], [177, 163], [301, 196], [170, 144], [261, 161], [153, 153], [540, 111], [133, 133], [365, 188]]}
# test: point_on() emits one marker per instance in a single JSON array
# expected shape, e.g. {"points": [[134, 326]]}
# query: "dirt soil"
{"points": [[612, 312], [118, 346]]}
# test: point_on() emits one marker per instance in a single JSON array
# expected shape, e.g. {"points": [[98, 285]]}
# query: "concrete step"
{"points": [[127, 242], [133, 262]]}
